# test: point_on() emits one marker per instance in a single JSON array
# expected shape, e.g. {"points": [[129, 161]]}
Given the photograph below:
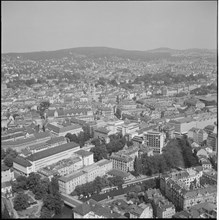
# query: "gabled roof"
{"points": [[22, 161], [42, 135], [56, 140], [19, 142], [82, 209], [93, 206]]}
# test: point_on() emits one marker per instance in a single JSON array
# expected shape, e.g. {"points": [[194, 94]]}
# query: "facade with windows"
{"points": [[41, 159], [184, 195], [84, 175], [154, 140]]}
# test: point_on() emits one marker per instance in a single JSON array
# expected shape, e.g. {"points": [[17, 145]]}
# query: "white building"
{"points": [[198, 135], [154, 140], [68, 183], [44, 158]]}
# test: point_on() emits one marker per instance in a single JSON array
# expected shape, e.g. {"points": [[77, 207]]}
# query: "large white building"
{"points": [[60, 130], [44, 158], [7, 174], [115, 126], [183, 125], [68, 183], [130, 129], [154, 140], [198, 135]]}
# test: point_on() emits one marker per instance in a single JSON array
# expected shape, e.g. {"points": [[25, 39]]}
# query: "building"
{"points": [[210, 176], [198, 135], [102, 133], [212, 141], [61, 130], [184, 190], [124, 159], [154, 140], [22, 166], [105, 166], [141, 211], [163, 208], [7, 174], [115, 126], [86, 174], [20, 144], [182, 126], [130, 128], [169, 130], [68, 183], [38, 160], [6, 189], [53, 142], [92, 209], [62, 167], [87, 157]]}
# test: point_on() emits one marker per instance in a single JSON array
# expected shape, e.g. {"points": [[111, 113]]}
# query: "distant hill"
{"points": [[96, 52]]}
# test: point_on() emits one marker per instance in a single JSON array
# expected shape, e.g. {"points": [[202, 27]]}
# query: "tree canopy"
{"points": [[21, 202]]}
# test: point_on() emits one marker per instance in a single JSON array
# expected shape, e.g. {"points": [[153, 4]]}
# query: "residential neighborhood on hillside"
{"points": [[100, 132]]}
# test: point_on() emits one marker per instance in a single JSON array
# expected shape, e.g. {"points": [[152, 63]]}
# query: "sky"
{"points": [[131, 25]]}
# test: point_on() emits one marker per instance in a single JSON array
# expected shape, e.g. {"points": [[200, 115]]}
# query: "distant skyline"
{"points": [[132, 25]]}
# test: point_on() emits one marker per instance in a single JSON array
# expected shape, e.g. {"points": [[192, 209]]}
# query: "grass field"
{"points": [[29, 212]]}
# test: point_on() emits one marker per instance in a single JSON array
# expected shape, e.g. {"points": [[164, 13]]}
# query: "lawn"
{"points": [[29, 212]]}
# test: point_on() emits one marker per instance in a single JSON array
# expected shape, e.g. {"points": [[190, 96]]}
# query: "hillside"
{"points": [[96, 52]]}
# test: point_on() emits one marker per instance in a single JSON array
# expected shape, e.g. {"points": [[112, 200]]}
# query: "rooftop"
{"points": [[52, 151], [71, 176], [115, 172], [84, 153], [22, 161]]}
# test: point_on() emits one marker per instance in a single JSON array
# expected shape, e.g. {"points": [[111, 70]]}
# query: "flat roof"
{"points": [[83, 153], [71, 176], [52, 151]]}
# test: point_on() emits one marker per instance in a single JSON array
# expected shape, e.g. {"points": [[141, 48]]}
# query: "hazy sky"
{"points": [[137, 25]]}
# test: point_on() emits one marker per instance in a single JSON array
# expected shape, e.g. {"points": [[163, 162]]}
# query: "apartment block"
{"points": [[154, 140], [44, 158]]}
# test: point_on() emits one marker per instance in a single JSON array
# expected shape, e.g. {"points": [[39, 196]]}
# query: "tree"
{"points": [[33, 180], [11, 152], [100, 152], [87, 133], [116, 180], [58, 203], [129, 143], [138, 165], [99, 183], [21, 182], [42, 189], [72, 137], [48, 202], [21, 202], [3, 153], [53, 202], [81, 139], [5, 214], [54, 186], [8, 161], [96, 142]]}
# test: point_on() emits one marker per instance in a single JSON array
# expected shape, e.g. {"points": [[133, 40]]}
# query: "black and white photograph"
{"points": [[109, 109]]}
